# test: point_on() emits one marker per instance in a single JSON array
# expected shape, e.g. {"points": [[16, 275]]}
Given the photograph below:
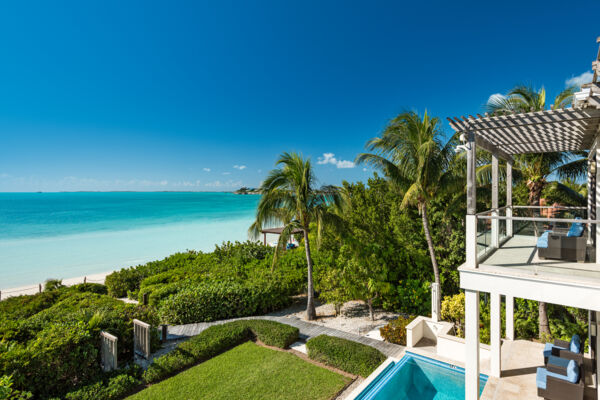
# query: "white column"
{"points": [[471, 219], [597, 344], [510, 317], [597, 207], [471, 345], [495, 335], [509, 210], [435, 301], [495, 222]]}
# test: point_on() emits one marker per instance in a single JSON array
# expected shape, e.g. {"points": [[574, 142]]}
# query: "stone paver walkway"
{"points": [[307, 331]]}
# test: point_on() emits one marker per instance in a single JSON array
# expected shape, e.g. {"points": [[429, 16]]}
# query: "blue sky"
{"points": [[142, 95]]}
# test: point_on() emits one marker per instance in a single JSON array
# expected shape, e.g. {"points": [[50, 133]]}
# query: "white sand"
{"points": [[33, 289]]}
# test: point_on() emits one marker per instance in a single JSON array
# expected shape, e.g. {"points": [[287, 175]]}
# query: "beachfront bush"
{"points": [[216, 340], [59, 358], [395, 330], [222, 300], [349, 356]]}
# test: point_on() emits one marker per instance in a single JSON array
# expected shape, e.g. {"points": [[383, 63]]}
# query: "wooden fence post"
{"points": [[141, 338], [40, 287], [108, 351]]}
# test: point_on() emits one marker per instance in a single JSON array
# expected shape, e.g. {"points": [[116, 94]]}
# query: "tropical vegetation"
{"points": [[290, 196]]}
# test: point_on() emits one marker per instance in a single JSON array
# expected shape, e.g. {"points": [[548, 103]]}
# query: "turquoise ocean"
{"points": [[65, 235]]}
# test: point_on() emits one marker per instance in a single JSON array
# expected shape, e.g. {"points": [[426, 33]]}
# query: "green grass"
{"points": [[249, 372]]}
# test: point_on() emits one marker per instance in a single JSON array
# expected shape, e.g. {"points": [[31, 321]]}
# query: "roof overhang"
{"points": [[568, 129]]}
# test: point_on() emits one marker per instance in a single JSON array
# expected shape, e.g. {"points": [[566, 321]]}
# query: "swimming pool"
{"points": [[415, 377]]}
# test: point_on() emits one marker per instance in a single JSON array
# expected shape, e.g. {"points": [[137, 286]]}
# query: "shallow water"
{"points": [[61, 235]]}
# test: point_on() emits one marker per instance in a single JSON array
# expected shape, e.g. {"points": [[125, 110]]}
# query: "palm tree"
{"points": [[535, 169], [290, 196], [411, 155]]}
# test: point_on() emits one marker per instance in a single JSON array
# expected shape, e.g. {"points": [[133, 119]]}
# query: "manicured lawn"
{"points": [[249, 372]]}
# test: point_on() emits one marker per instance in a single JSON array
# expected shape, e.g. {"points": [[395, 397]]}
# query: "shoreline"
{"points": [[30, 290]]}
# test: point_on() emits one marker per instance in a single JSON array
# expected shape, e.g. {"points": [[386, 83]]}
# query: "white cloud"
{"points": [[240, 167], [579, 80], [227, 184], [206, 169], [364, 169], [329, 158], [226, 173], [164, 183], [5, 175]]}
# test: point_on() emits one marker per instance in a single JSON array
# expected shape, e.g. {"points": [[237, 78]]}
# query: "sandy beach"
{"points": [[35, 288]]}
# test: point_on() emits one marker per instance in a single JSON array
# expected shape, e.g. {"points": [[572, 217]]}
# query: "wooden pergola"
{"points": [[276, 231]]}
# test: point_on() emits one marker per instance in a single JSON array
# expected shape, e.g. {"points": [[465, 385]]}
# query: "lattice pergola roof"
{"points": [[568, 129]]}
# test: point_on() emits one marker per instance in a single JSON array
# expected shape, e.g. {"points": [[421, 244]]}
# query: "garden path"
{"points": [[307, 331]]}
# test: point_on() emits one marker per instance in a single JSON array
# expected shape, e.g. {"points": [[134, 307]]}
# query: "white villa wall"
{"points": [[447, 345]]}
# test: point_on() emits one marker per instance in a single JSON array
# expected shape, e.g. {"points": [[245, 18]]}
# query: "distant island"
{"points": [[247, 190]]}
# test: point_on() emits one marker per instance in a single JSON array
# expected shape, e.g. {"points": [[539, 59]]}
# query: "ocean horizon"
{"points": [[68, 234]]}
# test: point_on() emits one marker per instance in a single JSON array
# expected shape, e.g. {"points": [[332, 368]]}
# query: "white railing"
{"points": [[141, 338], [108, 351]]}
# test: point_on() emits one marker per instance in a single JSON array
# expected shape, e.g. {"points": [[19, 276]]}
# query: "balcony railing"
{"points": [[535, 235]]}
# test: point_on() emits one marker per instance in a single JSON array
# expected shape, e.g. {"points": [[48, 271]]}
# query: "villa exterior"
{"points": [[504, 255]]}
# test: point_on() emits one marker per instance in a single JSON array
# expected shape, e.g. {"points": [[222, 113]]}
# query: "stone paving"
{"points": [[307, 331]]}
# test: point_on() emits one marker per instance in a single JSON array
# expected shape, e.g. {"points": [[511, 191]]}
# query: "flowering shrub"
{"points": [[395, 330]]}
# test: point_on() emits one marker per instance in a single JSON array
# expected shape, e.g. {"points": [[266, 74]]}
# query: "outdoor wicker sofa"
{"points": [[568, 246], [561, 380]]}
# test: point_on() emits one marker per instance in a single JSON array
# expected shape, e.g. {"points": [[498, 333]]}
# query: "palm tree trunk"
{"points": [[436, 271], [311, 313]]}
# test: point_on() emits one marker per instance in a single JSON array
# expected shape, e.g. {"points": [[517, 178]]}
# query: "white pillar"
{"points": [[471, 219], [597, 345], [471, 345], [435, 301], [495, 335], [510, 317], [509, 210], [597, 206], [495, 222]]}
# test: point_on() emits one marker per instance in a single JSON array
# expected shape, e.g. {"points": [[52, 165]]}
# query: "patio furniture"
{"points": [[572, 350], [558, 383], [571, 246]]}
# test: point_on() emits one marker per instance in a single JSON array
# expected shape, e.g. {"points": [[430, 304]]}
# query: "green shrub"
{"points": [[89, 288], [7, 392], [271, 333], [116, 387], [414, 296], [349, 356], [53, 284], [221, 300], [60, 358], [395, 330], [217, 339], [206, 345]]}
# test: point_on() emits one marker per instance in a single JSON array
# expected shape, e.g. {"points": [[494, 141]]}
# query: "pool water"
{"points": [[416, 377]]}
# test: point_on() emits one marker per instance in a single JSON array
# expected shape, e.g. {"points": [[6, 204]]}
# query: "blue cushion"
{"points": [[540, 377], [558, 361], [575, 345], [542, 242], [572, 372], [576, 229], [542, 374]]}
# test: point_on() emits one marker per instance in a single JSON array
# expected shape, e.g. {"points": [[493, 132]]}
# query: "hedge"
{"points": [[214, 341], [395, 330], [221, 300], [349, 356], [117, 386]]}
